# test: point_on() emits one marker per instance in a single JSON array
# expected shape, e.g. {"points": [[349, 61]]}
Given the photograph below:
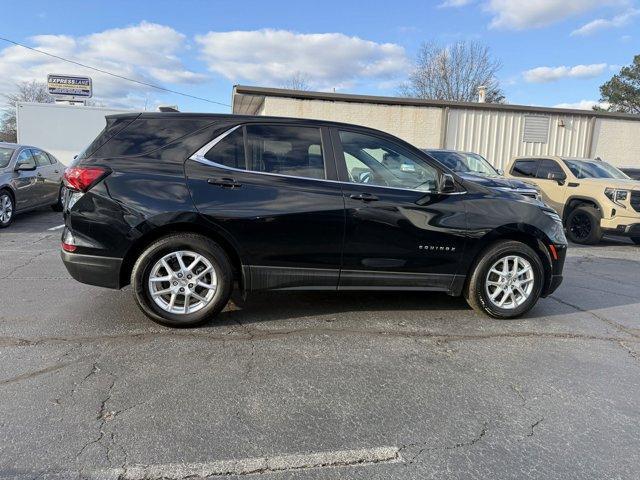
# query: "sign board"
{"points": [[69, 86]]}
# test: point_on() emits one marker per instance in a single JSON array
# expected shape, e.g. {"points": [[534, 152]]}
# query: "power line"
{"points": [[158, 87]]}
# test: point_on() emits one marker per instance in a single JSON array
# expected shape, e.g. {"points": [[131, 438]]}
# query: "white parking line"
{"points": [[249, 466], [56, 228]]}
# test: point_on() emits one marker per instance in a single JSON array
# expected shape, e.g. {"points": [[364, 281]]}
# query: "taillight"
{"points": [[83, 178]]}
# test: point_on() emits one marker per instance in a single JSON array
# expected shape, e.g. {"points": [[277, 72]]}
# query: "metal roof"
{"points": [[250, 91]]}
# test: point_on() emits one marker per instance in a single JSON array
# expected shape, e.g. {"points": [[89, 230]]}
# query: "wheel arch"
{"points": [[202, 228], [524, 233], [575, 201], [11, 191]]}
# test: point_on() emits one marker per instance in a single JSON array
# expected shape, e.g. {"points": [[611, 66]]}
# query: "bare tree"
{"points": [[32, 91], [297, 81], [454, 72]]}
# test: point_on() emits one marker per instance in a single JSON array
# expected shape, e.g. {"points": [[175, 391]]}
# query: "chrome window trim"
{"points": [[199, 156]]}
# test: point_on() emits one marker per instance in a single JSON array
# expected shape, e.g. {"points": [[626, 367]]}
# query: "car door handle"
{"points": [[365, 197], [225, 182]]}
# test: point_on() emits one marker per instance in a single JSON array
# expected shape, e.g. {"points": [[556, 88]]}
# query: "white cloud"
{"points": [[328, 60], [583, 105], [147, 52], [454, 3], [552, 74], [521, 14], [604, 23]]}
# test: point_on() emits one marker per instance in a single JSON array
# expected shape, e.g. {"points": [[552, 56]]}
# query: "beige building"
{"points": [[498, 132]]}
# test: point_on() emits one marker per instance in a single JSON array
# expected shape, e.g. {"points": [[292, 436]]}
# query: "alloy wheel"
{"points": [[509, 282], [6, 208], [580, 226], [182, 282]]}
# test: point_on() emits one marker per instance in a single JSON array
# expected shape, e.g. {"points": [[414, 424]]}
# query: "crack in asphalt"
{"points": [[611, 323], [425, 448], [258, 334], [22, 265], [35, 373], [103, 416], [534, 425]]}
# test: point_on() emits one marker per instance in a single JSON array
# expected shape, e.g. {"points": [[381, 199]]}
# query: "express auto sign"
{"points": [[69, 85]]}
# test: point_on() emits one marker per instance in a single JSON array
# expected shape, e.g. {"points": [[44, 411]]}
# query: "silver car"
{"points": [[29, 178]]}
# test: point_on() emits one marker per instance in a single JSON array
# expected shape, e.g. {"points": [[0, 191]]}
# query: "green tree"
{"points": [[622, 92]]}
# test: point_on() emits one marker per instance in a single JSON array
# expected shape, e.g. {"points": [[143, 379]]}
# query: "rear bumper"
{"points": [[93, 270]]}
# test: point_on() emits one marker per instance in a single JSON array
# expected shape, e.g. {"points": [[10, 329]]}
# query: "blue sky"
{"points": [[553, 52]]}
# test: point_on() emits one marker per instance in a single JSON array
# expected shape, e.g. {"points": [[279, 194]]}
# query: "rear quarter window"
{"points": [[145, 135]]}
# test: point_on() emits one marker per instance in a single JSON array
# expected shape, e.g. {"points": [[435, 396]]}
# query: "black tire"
{"points": [[57, 207], [583, 225], [636, 240], [476, 291], [5, 196], [176, 242]]}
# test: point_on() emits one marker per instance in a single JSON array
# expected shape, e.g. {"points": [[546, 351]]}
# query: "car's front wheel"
{"points": [[506, 280], [583, 225], [182, 280], [636, 240], [6, 209]]}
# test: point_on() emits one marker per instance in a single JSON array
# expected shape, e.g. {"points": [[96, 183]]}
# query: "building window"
{"points": [[536, 129]]}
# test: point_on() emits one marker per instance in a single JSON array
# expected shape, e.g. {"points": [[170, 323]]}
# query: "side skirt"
{"points": [[258, 277]]}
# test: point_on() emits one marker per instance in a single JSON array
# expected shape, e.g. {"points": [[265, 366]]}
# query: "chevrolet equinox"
{"points": [[185, 206]]}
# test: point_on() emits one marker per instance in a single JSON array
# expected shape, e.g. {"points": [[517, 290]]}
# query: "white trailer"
{"points": [[63, 130]]}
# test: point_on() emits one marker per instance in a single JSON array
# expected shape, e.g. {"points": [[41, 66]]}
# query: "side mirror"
{"points": [[558, 178], [447, 183], [500, 172], [25, 167]]}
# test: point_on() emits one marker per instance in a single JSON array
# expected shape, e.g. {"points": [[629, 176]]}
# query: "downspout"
{"points": [[592, 128], [444, 120]]}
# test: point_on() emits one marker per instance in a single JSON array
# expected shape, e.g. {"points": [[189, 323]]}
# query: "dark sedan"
{"points": [[476, 168], [29, 178]]}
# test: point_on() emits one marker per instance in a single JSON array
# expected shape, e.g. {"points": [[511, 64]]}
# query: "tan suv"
{"points": [[592, 196]]}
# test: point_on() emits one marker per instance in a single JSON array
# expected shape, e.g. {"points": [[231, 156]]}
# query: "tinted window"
{"points": [[41, 158], [25, 157], [376, 161], [143, 135], [550, 170], [285, 150], [525, 168], [5, 156], [586, 169], [229, 151], [52, 159]]}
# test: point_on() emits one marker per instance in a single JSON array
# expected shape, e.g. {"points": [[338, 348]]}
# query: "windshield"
{"points": [[465, 162], [5, 156], [594, 169]]}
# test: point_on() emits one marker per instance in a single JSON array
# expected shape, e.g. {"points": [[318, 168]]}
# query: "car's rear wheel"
{"points": [[182, 280], [583, 225], [6, 208], [506, 280]]}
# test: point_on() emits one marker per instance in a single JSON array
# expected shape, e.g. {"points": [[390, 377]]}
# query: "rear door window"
{"points": [[41, 158], [525, 168], [285, 150]]}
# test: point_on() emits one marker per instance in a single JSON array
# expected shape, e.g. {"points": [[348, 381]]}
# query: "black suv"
{"points": [[183, 206]]}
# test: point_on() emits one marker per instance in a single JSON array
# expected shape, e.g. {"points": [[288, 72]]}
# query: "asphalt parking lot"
{"points": [[317, 385]]}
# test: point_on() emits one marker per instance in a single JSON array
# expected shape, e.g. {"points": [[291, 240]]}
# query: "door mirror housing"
{"points": [[557, 177], [500, 172], [25, 166], [447, 183]]}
